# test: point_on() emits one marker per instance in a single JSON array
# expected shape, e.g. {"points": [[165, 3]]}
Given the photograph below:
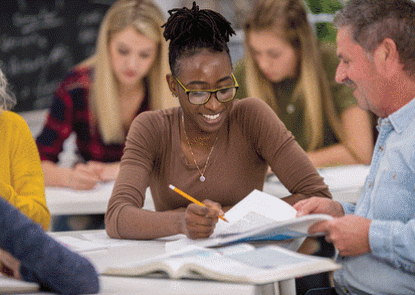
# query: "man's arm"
{"points": [[393, 241], [44, 260]]}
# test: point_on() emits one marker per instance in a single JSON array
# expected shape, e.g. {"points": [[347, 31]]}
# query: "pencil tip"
{"points": [[223, 218], [172, 186]]}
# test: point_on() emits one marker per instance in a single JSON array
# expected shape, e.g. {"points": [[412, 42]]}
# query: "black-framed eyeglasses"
{"points": [[223, 94]]}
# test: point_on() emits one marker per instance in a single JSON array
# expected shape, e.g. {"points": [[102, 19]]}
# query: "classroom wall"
{"points": [[165, 5]]}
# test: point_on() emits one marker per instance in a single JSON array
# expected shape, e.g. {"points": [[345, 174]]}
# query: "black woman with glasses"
{"points": [[212, 147]]}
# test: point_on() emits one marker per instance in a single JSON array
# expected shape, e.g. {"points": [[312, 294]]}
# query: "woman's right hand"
{"points": [[83, 177], [106, 171], [200, 222]]}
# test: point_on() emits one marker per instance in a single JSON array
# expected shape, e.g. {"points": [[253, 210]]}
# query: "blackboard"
{"points": [[40, 40]]}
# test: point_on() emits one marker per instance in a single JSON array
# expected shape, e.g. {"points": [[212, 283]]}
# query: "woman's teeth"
{"points": [[211, 117]]}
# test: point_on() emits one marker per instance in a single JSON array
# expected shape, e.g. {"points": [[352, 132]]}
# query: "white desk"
{"points": [[122, 251], [148, 286], [63, 201], [345, 182]]}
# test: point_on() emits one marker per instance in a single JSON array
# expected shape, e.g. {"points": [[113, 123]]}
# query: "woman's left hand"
{"points": [[9, 265]]}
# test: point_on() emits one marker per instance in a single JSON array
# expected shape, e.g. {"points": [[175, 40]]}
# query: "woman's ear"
{"points": [[172, 84]]}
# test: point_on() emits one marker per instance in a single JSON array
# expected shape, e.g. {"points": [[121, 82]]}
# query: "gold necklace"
{"points": [[202, 177]]}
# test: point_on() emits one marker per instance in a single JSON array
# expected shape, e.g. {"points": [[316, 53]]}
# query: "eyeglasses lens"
{"points": [[201, 97]]}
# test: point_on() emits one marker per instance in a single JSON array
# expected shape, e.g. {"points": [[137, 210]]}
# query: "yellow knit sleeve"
{"points": [[26, 189]]}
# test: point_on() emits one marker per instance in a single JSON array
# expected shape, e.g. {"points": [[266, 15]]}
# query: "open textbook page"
{"points": [[259, 216], [237, 263]]}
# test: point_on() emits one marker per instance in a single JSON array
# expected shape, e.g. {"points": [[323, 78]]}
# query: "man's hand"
{"points": [[316, 205], [200, 222], [349, 234]]}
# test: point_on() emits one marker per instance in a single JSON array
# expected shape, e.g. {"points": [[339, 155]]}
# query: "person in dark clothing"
{"points": [[28, 253]]}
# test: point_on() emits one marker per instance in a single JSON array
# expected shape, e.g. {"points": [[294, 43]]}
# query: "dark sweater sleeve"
{"points": [[44, 260]]}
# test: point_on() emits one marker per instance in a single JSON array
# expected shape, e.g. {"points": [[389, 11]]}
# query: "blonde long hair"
{"points": [[146, 18], [288, 19]]}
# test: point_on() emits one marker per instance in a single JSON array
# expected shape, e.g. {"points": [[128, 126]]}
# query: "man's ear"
{"points": [[386, 58], [172, 84]]}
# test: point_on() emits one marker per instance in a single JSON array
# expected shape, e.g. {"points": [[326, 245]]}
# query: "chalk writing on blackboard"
{"points": [[40, 41]]}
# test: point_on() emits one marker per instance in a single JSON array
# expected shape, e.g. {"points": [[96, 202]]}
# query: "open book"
{"points": [[236, 263], [258, 217]]}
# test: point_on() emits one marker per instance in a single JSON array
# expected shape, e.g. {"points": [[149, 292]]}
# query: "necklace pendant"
{"points": [[202, 178], [290, 109]]}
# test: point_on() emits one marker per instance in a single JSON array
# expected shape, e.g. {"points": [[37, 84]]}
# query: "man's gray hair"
{"points": [[371, 21]]}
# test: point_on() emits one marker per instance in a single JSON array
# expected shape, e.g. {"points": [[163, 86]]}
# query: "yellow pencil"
{"points": [[182, 193]]}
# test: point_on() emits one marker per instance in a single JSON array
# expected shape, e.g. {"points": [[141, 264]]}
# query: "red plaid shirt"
{"points": [[70, 113]]}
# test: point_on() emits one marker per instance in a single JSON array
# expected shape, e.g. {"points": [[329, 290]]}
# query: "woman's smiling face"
{"points": [[205, 70]]}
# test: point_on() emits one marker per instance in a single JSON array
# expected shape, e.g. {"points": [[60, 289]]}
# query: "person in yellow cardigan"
{"points": [[21, 176]]}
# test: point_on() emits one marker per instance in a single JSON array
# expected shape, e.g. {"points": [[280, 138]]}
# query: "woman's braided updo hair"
{"points": [[191, 30]]}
